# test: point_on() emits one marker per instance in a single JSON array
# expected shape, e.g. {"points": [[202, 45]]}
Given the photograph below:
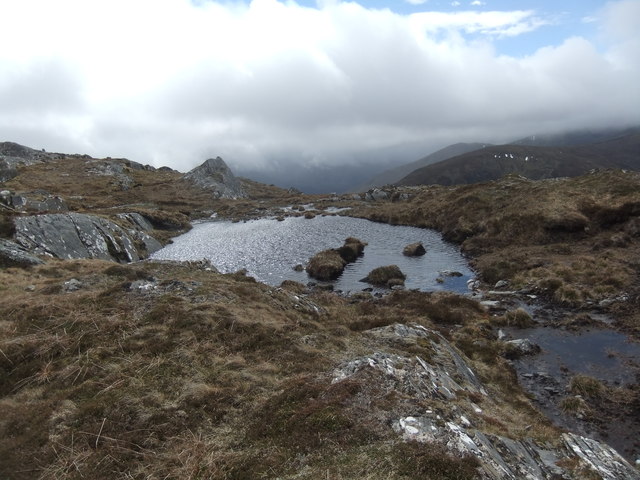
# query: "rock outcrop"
{"points": [[13, 155], [76, 235], [446, 380], [216, 176], [13, 255]]}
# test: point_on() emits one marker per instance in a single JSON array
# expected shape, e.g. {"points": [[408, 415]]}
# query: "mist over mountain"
{"points": [[533, 162]]}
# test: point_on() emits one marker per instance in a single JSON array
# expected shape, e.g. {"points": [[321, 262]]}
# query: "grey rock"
{"points": [[75, 235], [14, 255], [7, 170], [447, 376], [376, 195], [136, 220], [501, 284], [216, 176], [13, 155], [523, 346], [72, 285]]}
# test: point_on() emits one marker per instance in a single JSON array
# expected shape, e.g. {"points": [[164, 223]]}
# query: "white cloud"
{"points": [[477, 3], [455, 3], [168, 82], [416, 2]]}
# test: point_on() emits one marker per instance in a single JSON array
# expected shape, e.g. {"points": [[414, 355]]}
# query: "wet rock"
{"points": [[450, 273], [216, 176], [520, 348], [75, 235], [414, 250], [298, 268], [309, 215], [14, 255], [388, 275]]}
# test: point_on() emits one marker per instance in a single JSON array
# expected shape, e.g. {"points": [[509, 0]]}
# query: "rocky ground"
{"points": [[111, 369]]}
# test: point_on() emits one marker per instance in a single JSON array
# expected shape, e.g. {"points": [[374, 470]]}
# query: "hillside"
{"points": [[393, 175], [112, 368], [531, 162]]}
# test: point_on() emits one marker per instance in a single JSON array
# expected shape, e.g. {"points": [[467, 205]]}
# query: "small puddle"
{"points": [[601, 353]]}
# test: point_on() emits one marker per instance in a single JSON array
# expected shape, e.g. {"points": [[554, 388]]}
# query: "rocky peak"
{"points": [[13, 155], [215, 175]]}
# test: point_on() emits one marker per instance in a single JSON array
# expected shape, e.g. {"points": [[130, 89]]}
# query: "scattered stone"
{"points": [[414, 250], [299, 268], [72, 285], [501, 284], [30, 288], [388, 275], [309, 215]]}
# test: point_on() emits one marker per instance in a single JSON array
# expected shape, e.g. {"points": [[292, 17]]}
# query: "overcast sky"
{"points": [[301, 84]]}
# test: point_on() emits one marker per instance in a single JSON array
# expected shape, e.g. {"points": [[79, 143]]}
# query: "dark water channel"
{"points": [[269, 250], [596, 351]]}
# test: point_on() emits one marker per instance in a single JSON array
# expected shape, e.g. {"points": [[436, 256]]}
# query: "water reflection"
{"points": [[269, 250]]}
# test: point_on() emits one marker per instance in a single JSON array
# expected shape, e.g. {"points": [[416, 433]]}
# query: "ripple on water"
{"points": [[269, 250]]}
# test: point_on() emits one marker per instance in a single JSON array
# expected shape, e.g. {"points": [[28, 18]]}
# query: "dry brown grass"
{"points": [[206, 376], [572, 240]]}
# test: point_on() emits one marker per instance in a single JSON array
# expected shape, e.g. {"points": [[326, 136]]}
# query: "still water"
{"points": [[269, 250]]}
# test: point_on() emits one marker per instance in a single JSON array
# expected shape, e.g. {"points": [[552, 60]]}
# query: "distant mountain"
{"points": [[395, 174], [577, 137], [534, 162]]}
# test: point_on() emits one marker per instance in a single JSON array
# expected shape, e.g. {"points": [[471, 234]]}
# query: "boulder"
{"points": [[76, 235], [13, 255], [414, 250], [387, 276], [216, 176]]}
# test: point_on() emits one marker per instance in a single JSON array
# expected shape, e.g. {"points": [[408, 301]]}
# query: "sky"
{"points": [[295, 91]]}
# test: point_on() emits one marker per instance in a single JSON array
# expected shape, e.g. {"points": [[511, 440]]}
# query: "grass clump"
{"points": [[586, 386], [387, 276]]}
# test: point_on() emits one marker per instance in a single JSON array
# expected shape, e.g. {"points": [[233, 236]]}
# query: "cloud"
{"points": [[273, 85], [477, 3]]}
